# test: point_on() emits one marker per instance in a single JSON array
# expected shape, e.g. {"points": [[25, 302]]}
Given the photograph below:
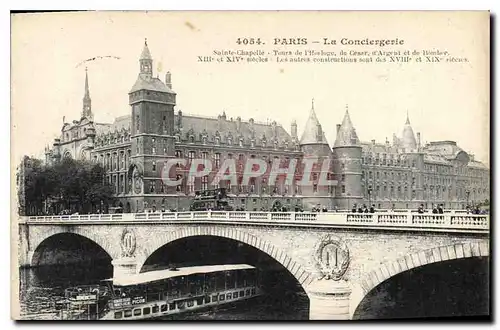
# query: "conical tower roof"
{"points": [[313, 132], [346, 136], [408, 140]]}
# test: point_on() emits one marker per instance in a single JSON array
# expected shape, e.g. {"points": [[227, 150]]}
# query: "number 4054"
{"points": [[249, 41]]}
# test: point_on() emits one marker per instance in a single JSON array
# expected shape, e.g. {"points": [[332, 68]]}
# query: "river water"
{"points": [[41, 287], [449, 289]]}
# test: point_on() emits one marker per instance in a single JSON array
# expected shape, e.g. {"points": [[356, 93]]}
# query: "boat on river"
{"points": [[83, 295], [163, 293]]}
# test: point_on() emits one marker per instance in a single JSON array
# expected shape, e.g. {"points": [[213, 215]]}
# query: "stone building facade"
{"points": [[134, 148]]}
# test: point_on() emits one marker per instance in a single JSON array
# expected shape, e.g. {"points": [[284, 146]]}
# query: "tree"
{"points": [[96, 191], [71, 185]]}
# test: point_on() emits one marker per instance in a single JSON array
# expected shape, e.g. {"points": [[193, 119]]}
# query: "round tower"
{"points": [[315, 148], [347, 166]]}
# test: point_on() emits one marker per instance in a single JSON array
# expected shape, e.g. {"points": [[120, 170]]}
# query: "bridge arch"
{"points": [[42, 235], [413, 260], [296, 270]]}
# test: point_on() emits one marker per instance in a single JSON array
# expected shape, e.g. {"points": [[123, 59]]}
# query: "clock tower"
{"points": [[152, 135]]}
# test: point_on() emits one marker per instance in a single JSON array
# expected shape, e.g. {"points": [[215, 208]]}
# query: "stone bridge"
{"points": [[369, 248]]}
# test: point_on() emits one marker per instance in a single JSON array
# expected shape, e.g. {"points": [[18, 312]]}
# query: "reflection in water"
{"points": [[454, 288]]}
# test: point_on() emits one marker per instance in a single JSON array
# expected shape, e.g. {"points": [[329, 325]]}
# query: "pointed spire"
{"points": [[87, 93], [87, 102], [313, 133], [146, 55], [408, 139], [346, 135]]}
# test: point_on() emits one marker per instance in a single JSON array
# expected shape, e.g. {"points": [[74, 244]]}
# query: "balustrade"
{"points": [[469, 220], [359, 217], [428, 219], [393, 218], [452, 220]]}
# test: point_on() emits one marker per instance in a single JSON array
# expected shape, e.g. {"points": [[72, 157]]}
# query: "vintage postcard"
{"points": [[250, 165]]}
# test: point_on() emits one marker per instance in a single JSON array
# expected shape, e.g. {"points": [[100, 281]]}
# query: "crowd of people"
{"points": [[361, 208]]}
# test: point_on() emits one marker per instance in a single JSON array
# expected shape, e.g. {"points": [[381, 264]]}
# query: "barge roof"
{"points": [[158, 275]]}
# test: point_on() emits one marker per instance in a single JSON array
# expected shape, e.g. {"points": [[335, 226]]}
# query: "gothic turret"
{"points": [[313, 133], [87, 102], [346, 133], [90, 134], [408, 139]]}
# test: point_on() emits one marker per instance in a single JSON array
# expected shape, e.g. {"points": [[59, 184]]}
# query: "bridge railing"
{"points": [[408, 219]]}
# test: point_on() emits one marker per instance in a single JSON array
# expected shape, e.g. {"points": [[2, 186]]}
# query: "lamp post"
{"points": [[369, 195], [348, 201]]}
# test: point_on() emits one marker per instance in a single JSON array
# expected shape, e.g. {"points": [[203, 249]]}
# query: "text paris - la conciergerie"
{"points": [[342, 41]]}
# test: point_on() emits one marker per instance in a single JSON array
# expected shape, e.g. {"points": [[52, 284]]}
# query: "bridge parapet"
{"points": [[457, 222]]}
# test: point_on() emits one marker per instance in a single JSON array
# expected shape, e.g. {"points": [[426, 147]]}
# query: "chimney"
{"points": [[294, 128], [274, 126], [238, 123], [220, 120], [338, 128], [418, 139], [179, 119], [168, 80]]}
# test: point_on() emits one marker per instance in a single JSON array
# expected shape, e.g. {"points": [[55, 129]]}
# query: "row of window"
{"points": [[462, 170], [112, 139], [428, 192], [389, 161], [118, 160], [252, 188], [190, 303], [252, 143], [387, 175]]}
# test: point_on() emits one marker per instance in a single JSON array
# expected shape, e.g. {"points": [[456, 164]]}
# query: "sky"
{"points": [[444, 101]]}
